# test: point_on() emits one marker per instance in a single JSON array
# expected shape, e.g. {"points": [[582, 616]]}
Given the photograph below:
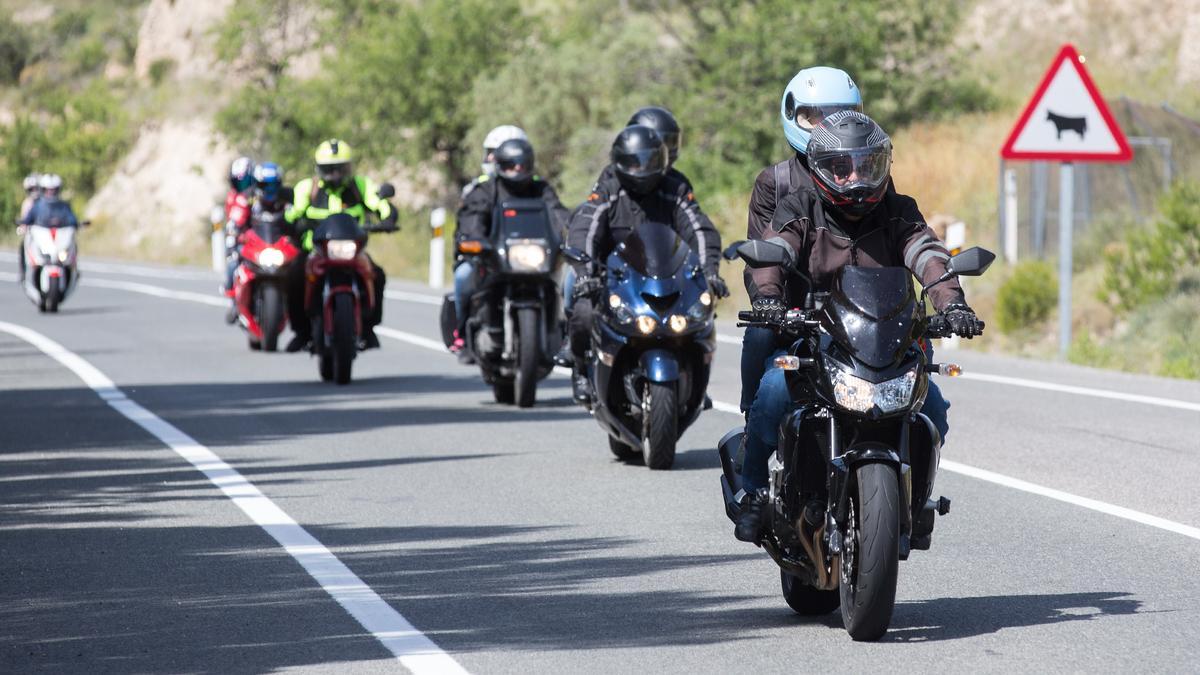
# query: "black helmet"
{"points": [[514, 161], [850, 159], [640, 159], [662, 121]]}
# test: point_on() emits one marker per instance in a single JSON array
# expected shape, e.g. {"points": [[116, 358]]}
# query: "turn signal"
{"points": [[787, 362], [470, 246], [950, 369]]}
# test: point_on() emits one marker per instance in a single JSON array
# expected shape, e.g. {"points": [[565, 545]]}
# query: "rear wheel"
{"points": [[660, 424], [528, 356], [270, 316], [871, 552], [623, 452], [504, 391], [806, 600], [344, 344]]}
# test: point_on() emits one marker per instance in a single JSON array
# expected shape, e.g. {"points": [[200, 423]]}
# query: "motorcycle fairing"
{"points": [[872, 312], [654, 250]]}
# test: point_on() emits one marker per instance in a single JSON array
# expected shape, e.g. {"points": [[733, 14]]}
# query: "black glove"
{"points": [[963, 321], [717, 285], [586, 286], [769, 309]]}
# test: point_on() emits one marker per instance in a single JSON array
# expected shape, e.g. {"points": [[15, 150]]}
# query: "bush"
{"points": [[14, 50], [1151, 263], [1027, 297], [160, 69]]}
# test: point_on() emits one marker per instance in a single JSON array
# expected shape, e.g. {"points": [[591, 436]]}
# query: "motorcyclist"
{"points": [[811, 95], [514, 178], [493, 140], [237, 215], [50, 210], [266, 195], [639, 191], [849, 218], [335, 189], [33, 190]]}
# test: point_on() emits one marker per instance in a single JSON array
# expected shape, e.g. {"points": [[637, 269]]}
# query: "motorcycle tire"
{"points": [[528, 356], [270, 316], [623, 452], [871, 552], [660, 425], [53, 295], [504, 391], [325, 365], [254, 345], [345, 344], [806, 600]]}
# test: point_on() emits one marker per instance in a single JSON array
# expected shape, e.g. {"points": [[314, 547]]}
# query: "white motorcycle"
{"points": [[50, 271]]}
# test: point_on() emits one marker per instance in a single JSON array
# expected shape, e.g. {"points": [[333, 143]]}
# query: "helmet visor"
{"points": [[515, 171], [846, 170], [808, 116], [642, 163], [334, 174]]}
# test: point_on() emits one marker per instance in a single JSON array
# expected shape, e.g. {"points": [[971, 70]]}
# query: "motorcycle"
{"points": [[851, 482], [652, 344], [340, 289], [260, 281], [513, 328], [50, 264]]}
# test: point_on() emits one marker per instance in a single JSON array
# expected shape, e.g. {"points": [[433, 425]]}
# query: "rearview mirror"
{"points": [[575, 255], [971, 262], [386, 191], [762, 253]]}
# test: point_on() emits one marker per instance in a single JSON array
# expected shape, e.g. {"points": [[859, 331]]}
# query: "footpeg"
{"points": [[943, 506]]}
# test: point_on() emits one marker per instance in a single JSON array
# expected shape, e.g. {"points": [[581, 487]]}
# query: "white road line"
{"points": [[157, 291], [1083, 391], [729, 339], [955, 467], [413, 297], [412, 648]]}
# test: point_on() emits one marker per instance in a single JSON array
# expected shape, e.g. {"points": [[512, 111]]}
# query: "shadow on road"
{"points": [[956, 618]]}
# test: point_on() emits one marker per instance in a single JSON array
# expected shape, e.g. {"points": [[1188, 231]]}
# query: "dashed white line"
{"points": [[410, 646]]}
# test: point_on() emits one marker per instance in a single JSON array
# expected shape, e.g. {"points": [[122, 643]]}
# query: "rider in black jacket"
{"points": [[515, 179], [637, 191]]}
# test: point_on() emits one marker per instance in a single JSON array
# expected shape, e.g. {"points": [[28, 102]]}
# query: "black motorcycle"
{"points": [[652, 344], [852, 479], [513, 327]]}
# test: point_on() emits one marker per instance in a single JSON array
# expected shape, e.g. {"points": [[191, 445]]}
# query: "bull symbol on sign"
{"points": [[1061, 124]]}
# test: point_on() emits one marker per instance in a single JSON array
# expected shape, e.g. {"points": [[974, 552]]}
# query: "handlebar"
{"points": [[800, 321], [938, 327]]}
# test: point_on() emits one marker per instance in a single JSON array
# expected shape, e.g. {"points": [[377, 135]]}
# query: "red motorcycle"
{"points": [[338, 294], [260, 282]]}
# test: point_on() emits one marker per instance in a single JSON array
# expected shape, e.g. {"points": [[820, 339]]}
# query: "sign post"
{"points": [[1066, 121]]}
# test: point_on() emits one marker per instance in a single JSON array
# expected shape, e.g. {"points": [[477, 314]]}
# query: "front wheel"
{"points": [[660, 424], [806, 600], [344, 344], [53, 296], [528, 356], [871, 552], [270, 316]]}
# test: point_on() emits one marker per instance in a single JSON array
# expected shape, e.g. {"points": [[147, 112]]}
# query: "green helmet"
{"points": [[334, 158]]}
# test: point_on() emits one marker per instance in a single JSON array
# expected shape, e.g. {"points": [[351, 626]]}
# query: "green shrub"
{"points": [[88, 54], [1151, 262], [14, 49], [1027, 297], [160, 69]]}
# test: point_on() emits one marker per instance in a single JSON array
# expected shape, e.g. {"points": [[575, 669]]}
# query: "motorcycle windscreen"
{"points": [[339, 226], [654, 250], [522, 219], [268, 226], [873, 311]]}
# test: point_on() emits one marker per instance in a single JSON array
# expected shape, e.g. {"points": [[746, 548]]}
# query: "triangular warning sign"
{"points": [[1067, 119]]}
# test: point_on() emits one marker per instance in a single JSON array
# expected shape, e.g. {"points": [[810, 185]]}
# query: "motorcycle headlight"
{"points": [[677, 322], [273, 257], [341, 249], [63, 255], [646, 324], [528, 256], [855, 393]]}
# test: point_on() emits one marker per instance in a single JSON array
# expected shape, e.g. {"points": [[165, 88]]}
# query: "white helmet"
{"points": [[31, 182], [50, 181], [495, 137]]}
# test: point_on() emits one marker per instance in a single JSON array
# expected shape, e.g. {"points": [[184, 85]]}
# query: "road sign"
{"points": [[1067, 119]]}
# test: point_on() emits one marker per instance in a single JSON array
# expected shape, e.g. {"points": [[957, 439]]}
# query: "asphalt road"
{"points": [[513, 540]]}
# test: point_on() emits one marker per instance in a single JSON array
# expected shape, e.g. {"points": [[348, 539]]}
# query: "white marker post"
{"points": [[217, 218], [956, 239], [1066, 121], [1010, 216], [437, 248]]}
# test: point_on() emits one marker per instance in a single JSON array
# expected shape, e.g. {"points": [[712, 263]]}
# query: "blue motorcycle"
{"points": [[652, 344]]}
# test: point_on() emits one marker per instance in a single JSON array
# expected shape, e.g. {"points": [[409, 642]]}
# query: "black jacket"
{"points": [[475, 214], [610, 214]]}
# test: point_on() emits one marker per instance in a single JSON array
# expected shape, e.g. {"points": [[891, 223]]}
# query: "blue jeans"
{"points": [[773, 402], [758, 346], [464, 284]]}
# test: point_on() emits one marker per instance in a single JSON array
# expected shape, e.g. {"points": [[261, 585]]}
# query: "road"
{"points": [[510, 538]]}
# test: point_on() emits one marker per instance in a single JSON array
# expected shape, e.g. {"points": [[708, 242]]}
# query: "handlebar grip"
{"points": [[938, 327], [747, 315]]}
